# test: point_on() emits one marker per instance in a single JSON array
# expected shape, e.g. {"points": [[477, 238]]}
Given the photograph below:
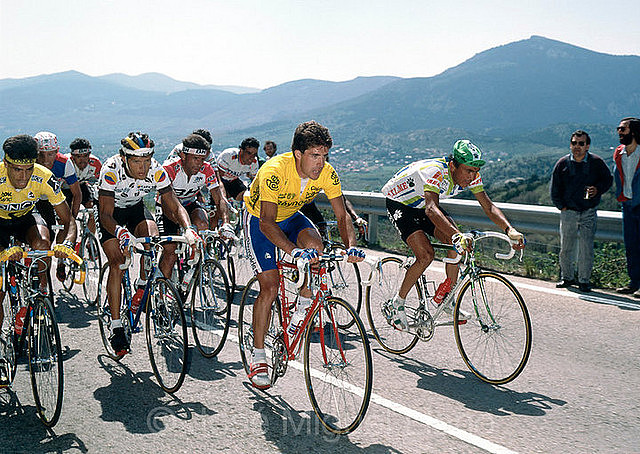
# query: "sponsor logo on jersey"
{"points": [[35, 178], [17, 206], [403, 186], [334, 178], [110, 178], [31, 195], [160, 175], [5, 197], [273, 182]]}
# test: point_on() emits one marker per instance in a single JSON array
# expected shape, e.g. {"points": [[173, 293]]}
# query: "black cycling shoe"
{"points": [[119, 342], [4, 373]]}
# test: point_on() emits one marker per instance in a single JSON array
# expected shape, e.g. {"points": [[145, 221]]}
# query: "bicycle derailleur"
{"points": [[280, 357]]}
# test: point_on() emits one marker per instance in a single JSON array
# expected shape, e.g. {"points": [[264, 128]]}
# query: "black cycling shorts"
{"points": [[233, 187], [166, 226], [84, 189], [18, 228], [408, 220], [128, 217]]}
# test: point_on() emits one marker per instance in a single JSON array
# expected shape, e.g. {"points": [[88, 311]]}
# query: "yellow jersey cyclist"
{"points": [[22, 184], [272, 219], [125, 179], [412, 198]]}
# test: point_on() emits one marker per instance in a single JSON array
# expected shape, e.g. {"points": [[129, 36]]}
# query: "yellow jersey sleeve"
{"points": [[53, 191]]}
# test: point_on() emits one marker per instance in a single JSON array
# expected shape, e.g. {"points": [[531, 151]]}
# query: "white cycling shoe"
{"points": [[399, 319]]}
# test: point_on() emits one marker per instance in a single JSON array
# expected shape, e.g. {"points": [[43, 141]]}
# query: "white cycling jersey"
{"points": [[409, 184], [89, 174], [127, 190], [187, 188], [231, 168]]}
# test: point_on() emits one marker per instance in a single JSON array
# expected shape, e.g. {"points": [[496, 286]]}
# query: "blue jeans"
{"points": [[577, 230], [631, 232]]}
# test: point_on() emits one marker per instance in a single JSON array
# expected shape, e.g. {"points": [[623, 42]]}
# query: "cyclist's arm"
{"points": [[345, 226], [64, 214], [270, 229], [435, 215], [220, 202], [493, 212], [106, 204], [350, 210], [76, 193], [172, 207]]}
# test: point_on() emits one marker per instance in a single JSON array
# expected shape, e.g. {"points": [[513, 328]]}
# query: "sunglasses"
{"points": [[578, 142]]}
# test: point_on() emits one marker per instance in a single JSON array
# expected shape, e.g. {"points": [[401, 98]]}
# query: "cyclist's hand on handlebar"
{"points": [[309, 254], [192, 236], [126, 239], [354, 255], [517, 237], [63, 250], [226, 231], [13, 253], [462, 242]]}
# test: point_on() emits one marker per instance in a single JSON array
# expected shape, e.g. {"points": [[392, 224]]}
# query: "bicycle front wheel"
{"points": [[70, 269], [90, 252], [496, 340], [337, 367], [45, 361], [380, 309], [211, 309], [103, 312], [273, 343], [166, 331]]}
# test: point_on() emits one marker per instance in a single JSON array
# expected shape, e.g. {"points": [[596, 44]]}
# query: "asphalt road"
{"points": [[578, 393]]}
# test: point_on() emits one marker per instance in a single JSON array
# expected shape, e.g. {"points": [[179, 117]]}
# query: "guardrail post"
{"points": [[373, 228]]}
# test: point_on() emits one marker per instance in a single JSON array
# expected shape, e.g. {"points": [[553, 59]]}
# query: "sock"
{"points": [[259, 356], [116, 324], [303, 302], [397, 301], [140, 283]]}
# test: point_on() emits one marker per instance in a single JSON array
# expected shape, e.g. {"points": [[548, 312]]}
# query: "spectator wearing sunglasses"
{"points": [[579, 179]]}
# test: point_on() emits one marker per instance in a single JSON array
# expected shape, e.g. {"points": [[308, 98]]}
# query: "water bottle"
{"points": [[187, 277], [22, 312], [297, 318], [137, 297], [443, 290]]}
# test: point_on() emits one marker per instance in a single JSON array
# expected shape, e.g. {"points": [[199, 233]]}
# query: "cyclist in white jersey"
{"points": [[413, 196], [125, 180], [190, 174], [234, 163]]}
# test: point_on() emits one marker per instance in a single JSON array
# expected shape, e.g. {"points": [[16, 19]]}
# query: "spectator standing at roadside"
{"points": [[626, 174], [579, 179], [269, 148]]}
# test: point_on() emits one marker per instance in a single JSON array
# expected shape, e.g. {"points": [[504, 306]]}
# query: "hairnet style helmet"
{"points": [[137, 144], [47, 141], [464, 152]]}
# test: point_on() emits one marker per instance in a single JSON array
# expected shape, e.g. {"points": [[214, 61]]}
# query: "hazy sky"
{"points": [[267, 42]]}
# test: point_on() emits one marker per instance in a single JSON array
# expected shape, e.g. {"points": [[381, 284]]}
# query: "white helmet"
{"points": [[47, 141]]}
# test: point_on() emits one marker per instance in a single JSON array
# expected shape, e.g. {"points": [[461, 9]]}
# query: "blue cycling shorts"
{"points": [[260, 251]]}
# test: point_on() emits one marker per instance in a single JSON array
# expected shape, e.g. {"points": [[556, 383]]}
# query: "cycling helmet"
{"points": [[136, 144], [47, 141], [464, 152]]}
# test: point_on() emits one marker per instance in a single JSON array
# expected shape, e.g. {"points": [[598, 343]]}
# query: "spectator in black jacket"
{"points": [[579, 179]]}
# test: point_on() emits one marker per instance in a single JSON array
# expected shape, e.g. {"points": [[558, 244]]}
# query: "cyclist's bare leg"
{"points": [[423, 252], [451, 269], [262, 306], [199, 219], [92, 222], [145, 228], [115, 257], [38, 239], [309, 238]]}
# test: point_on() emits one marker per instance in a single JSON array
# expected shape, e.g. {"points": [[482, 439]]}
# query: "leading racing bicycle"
{"points": [[337, 362], [490, 322], [30, 318]]}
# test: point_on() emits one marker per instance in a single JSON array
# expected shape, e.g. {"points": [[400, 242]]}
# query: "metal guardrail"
{"points": [[526, 218]]}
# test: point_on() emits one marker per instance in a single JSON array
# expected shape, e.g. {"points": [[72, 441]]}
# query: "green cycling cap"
{"points": [[467, 153]]}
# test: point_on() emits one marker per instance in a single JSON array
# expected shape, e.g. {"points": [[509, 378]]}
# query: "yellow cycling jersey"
{"points": [[18, 202], [278, 182]]}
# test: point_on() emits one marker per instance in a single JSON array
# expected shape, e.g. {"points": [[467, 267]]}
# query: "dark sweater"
{"points": [[570, 178]]}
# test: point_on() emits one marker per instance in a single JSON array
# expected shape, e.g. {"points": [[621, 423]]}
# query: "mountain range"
{"points": [[508, 91]]}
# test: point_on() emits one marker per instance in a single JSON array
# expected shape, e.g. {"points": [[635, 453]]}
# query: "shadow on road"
{"points": [[463, 386], [294, 431], [210, 369], [138, 402], [22, 431], [72, 309]]}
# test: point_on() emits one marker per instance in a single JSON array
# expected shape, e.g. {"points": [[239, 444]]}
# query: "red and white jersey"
{"points": [[187, 188], [231, 168], [89, 174], [128, 190]]}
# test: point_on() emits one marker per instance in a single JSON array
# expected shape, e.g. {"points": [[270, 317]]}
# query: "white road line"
{"points": [[422, 418]]}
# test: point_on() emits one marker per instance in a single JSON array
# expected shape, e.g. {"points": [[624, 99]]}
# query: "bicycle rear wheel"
{"points": [[273, 343], [103, 312], [337, 367], [211, 309], [166, 332], [495, 343], [380, 309], [90, 253], [70, 269], [345, 282], [45, 361]]}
